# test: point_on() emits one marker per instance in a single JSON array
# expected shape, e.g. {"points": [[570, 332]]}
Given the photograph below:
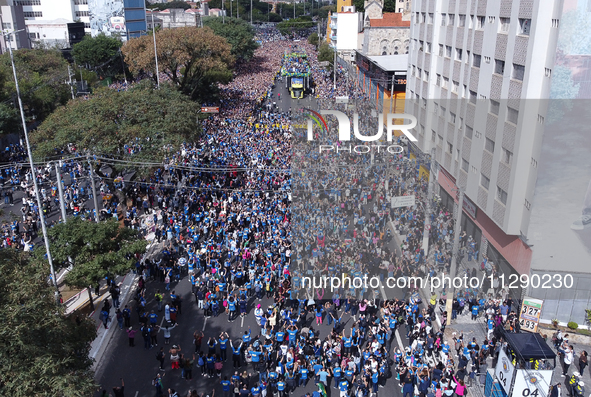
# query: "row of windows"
{"points": [[82, 14], [33, 14], [478, 21], [80, 2], [27, 2]]}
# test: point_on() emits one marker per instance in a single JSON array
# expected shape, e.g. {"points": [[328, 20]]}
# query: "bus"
{"points": [[296, 70]]}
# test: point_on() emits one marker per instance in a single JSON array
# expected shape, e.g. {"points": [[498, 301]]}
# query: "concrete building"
{"points": [[174, 18], [479, 78], [12, 18], [384, 33], [345, 30]]}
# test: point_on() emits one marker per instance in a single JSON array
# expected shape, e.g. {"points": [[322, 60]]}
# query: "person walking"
{"points": [[174, 356], [583, 361], [157, 383], [131, 335], [567, 360], [160, 357]]}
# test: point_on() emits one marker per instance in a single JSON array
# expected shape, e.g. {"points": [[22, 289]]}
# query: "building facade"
{"points": [[385, 33], [12, 18], [471, 65]]}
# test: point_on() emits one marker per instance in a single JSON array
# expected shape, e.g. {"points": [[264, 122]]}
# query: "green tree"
{"points": [[195, 59], [325, 53], [298, 25], [109, 120], [313, 39], [42, 351], [172, 4], [273, 17], [100, 53], [97, 250], [41, 76], [238, 33], [322, 12], [9, 119]]}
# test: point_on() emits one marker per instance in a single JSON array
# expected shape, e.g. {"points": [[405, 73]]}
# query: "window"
{"points": [[448, 51], [451, 18], [480, 22], [469, 131], [555, 23], [454, 87], [445, 83], [486, 59], [33, 14], [423, 17], [527, 204], [524, 25], [430, 18], [464, 90], [6, 26], [465, 165], [461, 124], [413, 70], [461, 20], [433, 136], [518, 72], [491, 19], [28, 3], [484, 181], [489, 145], [426, 75], [428, 48], [443, 18], [80, 2], [473, 97], [501, 195], [540, 119], [86, 25], [547, 72], [419, 73], [450, 148], [439, 139], [471, 22], [452, 117], [476, 61], [424, 103], [457, 155], [34, 36], [421, 45], [499, 66], [438, 80], [442, 111], [512, 115], [467, 56], [507, 156], [458, 54], [494, 108], [440, 50], [81, 14], [504, 25]]}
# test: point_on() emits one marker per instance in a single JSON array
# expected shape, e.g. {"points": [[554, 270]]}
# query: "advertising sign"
{"points": [[529, 318], [504, 371], [403, 201], [210, 109]]}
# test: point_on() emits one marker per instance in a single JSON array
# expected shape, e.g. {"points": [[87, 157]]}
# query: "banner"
{"points": [[504, 371], [529, 318], [529, 382]]}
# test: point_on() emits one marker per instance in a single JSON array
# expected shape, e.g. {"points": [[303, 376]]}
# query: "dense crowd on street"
{"points": [[237, 223]]}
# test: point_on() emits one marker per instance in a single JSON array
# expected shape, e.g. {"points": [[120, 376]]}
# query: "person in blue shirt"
{"points": [[475, 309], [223, 342], [226, 386], [236, 353], [303, 380]]}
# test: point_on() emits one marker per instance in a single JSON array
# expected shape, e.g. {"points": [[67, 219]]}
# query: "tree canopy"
{"points": [[41, 76], [98, 250], [195, 59], [165, 6], [313, 39], [110, 121], [238, 33], [100, 53], [325, 53], [299, 25], [42, 352]]}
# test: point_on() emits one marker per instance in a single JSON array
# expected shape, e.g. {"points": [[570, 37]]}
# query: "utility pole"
{"points": [[392, 93], [293, 8], [70, 82], [155, 52], [223, 12], [123, 67], [429, 210], [96, 209], [334, 74], [251, 12], [231, 10], [454, 252], [60, 190], [33, 173]]}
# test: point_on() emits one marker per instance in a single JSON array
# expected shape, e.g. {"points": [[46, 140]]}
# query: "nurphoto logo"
{"points": [[344, 132]]}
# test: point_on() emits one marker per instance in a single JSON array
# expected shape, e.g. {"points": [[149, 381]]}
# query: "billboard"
{"points": [[107, 17], [529, 318]]}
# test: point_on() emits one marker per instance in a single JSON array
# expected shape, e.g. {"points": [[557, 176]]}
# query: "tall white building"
{"points": [[472, 63], [71, 10]]}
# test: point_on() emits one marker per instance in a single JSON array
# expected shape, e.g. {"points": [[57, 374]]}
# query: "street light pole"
{"points": [[155, 52], [454, 253], [33, 174], [223, 12], [251, 12]]}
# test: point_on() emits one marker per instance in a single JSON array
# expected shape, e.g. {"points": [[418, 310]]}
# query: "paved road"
{"points": [[139, 366]]}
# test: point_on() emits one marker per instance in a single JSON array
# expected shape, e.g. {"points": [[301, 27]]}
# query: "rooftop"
{"points": [[391, 63], [389, 20]]}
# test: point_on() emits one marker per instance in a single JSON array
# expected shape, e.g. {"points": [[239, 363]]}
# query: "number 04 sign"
{"points": [[533, 383], [529, 318]]}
